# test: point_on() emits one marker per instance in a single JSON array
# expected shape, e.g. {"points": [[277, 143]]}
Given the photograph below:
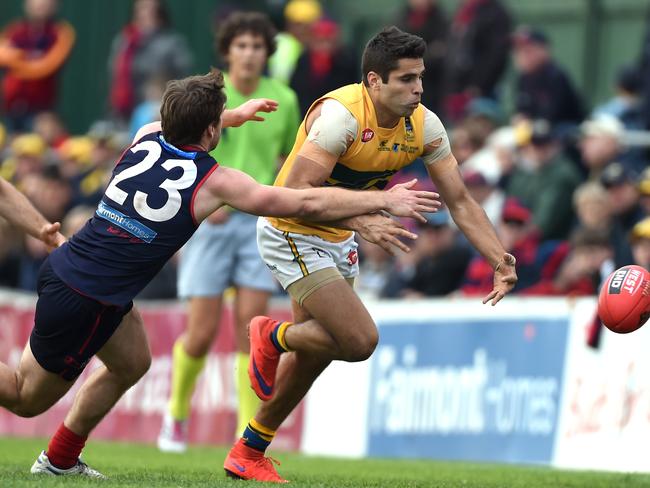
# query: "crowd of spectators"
{"points": [[566, 187]]}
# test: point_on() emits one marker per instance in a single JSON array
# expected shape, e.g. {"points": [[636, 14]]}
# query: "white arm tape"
{"points": [[335, 129], [434, 131]]}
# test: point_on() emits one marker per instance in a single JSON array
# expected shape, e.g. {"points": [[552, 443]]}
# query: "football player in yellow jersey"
{"points": [[355, 137]]}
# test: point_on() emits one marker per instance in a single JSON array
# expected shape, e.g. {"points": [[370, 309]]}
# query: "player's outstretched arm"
{"points": [[18, 210], [240, 191], [473, 222], [229, 118], [248, 111]]}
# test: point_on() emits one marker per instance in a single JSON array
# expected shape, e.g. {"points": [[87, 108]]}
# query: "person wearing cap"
{"points": [[594, 211], [299, 16], [640, 241], [600, 143], [543, 89], [621, 185], [26, 156], [536, 259], [324, 65], [544, 180], [436, 264]]}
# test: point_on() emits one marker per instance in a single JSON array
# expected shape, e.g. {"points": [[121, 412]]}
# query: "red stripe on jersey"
{"points": [[200, 184]]}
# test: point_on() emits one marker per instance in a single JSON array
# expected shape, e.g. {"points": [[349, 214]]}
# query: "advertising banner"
{"points": [[605, 422], [137, 416], [468, 386]]}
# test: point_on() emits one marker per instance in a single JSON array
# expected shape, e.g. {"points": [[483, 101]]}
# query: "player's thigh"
{"points": [[69, 328], [127, 353], [207, 261], [39, 389]]}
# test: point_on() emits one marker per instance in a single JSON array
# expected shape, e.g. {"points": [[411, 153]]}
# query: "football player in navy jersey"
{"points": [[17, 209], [162, 187]]}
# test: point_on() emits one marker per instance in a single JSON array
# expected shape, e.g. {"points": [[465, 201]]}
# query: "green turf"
{"points": [[143, 466]]}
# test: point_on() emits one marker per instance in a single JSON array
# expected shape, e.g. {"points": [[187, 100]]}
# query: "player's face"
{"points": [[247, 56], [402, 92]]}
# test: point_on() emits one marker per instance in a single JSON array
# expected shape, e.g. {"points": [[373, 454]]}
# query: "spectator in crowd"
{"points": [[324, 66], [640, 241], [299, 18], [50, 127], [75, 219], [27, 155], [627, 103], [33, 51], [467, 138], [621, 185], [478, 53], [543, 89], [50, 193], [644, 192], [588, 263], [594, 212], [436, 264], [544, 180], [486, 193], [536, 259], [86, 179], [144, 49], [600, 143], [427, 19]]}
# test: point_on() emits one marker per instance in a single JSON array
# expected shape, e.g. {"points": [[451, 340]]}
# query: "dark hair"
{"points": [[583, 237], [239, 23], [190, 105], [383, 52]]}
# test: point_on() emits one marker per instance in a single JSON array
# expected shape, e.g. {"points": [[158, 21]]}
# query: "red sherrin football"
{"points": [[624, 301]]}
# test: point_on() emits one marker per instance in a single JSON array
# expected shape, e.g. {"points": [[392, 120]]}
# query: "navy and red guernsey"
{"points": [[144, 217]]}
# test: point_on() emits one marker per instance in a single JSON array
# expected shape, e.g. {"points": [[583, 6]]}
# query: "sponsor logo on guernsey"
{"points": [[408, 130], [367, 134], [353, 257], [132, 226]]}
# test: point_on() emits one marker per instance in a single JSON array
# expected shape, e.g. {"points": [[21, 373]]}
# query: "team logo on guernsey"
{"points": [[367, 134], [353, 257], [132, 226]]}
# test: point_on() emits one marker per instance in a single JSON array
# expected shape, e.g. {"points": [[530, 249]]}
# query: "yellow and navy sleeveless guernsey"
{"points": [[369, 163]]}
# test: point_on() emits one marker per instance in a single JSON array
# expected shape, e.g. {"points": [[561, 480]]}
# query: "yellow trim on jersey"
{"points": [[376, 154]]}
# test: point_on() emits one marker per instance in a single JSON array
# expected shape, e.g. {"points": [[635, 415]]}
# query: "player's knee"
{"points": [[361, 347], [135, 369]]}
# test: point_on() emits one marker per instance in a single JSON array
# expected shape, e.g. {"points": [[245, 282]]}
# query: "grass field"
{"points": [[143, 466]]}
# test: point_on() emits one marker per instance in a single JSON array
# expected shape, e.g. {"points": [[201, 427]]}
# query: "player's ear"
{"points": [[374, 80]]}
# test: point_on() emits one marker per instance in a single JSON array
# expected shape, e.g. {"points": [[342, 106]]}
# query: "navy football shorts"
{"points": [[69, 328]]}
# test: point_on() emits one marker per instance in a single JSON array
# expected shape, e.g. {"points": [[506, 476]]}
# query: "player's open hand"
{"points": [[402, 201], [505, 278], [382, 230], [248, 110], [51, 236]]}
